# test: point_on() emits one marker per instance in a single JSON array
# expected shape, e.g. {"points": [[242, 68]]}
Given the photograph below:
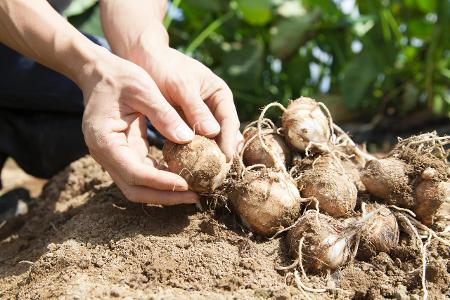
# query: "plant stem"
{"points": [[207, 32], [168, 19]]}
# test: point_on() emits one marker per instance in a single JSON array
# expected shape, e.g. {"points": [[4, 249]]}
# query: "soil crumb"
{"points": [[83, 239]]}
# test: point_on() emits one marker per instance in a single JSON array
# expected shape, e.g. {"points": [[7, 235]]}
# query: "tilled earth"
{"points": [[82, 239]]}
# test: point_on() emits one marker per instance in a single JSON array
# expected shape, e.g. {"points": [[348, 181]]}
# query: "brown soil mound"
{"points": [[84, 240]]}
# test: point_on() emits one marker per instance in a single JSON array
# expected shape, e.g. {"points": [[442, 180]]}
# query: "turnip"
{"points": [[329, 184], [201, 163], [304, 123], [266, 200], [254, 153], [380, 233]]}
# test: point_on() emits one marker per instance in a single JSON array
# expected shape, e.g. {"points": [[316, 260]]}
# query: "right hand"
{"points": [[118, 96]]}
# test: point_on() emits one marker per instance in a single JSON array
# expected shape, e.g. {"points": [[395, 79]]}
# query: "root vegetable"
{"points": [[380, 233], [387, 179], [330, 185], [254, 153], [304, 122], [201, 163], [353, 171], [266, 201], [325, 244], [433, 202]]}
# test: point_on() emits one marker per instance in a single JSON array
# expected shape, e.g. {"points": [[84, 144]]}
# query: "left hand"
{"points": [[204, 98]]}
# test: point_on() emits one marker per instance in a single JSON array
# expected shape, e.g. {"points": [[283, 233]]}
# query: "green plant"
{"points": [[383, 57]]}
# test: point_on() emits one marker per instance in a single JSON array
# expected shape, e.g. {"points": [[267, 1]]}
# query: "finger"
{"points": [[151, 196], [162, 115], [137, 137], [222, 106], [197, 112], [117, 156], [135, 172]]}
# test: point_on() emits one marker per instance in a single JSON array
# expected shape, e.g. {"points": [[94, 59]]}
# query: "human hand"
{"points": [[118, 95], [188, 85]]}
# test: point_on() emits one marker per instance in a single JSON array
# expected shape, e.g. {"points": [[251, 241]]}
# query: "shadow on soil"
{"points": [[104, 217]]}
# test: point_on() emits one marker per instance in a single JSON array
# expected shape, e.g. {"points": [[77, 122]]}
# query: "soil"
{"points": [[83, 239], [12, 177]]}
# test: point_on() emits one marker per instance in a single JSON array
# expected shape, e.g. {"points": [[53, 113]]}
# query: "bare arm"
{"points": [[127, 24], [117, 93], [34, 29], [135, 32]]}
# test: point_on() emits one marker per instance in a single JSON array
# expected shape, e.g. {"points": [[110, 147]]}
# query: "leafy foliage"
{"points": [[380, 57]]}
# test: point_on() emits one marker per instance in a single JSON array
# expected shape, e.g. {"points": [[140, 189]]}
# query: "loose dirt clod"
{"points": [[380, 233], [255, 154], [266, 201], [305, 123], [328, 183], [201, 163]]}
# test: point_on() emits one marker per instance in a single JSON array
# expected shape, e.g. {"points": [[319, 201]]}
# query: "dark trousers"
{"points": [[40, 115]]}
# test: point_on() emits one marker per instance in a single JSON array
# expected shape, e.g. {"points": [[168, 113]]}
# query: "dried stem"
{"points": [[358, 152], [277, 163]]}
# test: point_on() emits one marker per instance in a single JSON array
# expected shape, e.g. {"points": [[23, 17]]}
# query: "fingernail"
{"points": [[184, 133], [210, 127], [181, 186]]}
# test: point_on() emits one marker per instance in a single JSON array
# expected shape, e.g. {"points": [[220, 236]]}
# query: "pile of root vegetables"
{"points": [[309, 179]]}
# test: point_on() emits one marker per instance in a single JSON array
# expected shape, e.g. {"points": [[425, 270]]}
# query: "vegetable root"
{"points": [[201, 163], [380, 233], [328, 182], [305, 123], [254, 153], [266, 201], [324, 242]]}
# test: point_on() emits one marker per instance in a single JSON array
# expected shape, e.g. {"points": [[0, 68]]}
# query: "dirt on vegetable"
{"points": [[83, 239]]}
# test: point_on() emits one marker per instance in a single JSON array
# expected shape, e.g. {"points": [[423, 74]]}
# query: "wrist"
{"points": [[97, 65], [149, 45]]}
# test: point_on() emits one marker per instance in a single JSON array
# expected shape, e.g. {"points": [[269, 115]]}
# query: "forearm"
{"points": [[130, 26], [34, 29]]}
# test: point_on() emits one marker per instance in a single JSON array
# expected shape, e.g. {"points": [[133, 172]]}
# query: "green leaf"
{"points": [[419, 29], [291, 8], [297, 71], [290, 33], [410, 98], [207, 5], [207, 32], [358, 76], [362, 25], [242, 65], [438, 104], [77, 7], [88, 22], [427, 5], [255, 12]]}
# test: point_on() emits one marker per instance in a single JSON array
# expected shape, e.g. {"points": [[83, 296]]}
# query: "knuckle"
{"points": [[199, 109], [167, 116]]}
